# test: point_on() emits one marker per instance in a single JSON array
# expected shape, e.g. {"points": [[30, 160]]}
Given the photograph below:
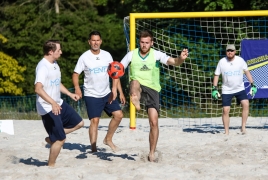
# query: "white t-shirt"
{"points": [[232, 74], [159, 56], [96, 79], [50, 76]]}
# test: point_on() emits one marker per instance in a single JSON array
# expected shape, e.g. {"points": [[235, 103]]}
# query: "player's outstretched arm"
{"points": [[179, 60]]}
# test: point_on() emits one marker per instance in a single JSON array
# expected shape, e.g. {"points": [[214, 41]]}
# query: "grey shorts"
{"points": [[150, 97]]}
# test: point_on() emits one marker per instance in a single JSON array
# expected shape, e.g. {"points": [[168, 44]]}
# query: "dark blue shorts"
{"points": [[227, 98], [95, 106], [55, 124]]}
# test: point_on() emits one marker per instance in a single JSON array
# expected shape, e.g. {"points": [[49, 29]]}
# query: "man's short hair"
{"points": [[146, 33], [50, 45], [96, 33]]}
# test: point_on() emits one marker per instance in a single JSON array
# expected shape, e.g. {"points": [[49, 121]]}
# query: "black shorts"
{"points": [[95, 106], [55, 124], [227, 98], [150, 97]]}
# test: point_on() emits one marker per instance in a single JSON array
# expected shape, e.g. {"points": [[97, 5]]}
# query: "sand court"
{"points": [[182, 153]]}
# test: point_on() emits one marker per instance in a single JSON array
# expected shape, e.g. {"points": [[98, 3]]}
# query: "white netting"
{"points": [[186, 90]]}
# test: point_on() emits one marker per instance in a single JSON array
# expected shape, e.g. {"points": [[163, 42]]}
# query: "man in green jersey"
{"points": [[144, 85]]}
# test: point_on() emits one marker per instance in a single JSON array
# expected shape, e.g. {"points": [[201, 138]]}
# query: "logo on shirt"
{"points": [[55, 68], [97, 70], [55, 82], [97, 58], [232, 73], [144, 68]]}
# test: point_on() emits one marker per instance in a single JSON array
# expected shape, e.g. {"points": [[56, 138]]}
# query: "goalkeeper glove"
{"points": [[215, 93], [253, 90]]}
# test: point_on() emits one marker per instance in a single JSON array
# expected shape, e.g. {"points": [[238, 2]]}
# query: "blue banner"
{"points": [[255, 53]]}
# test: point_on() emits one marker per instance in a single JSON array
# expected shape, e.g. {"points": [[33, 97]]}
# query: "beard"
{"points": [[144, 50], [230, 56]]}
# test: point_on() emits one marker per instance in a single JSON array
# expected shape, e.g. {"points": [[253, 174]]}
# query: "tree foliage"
{"points": [[123, 8], [11, 73], [30, 25]]}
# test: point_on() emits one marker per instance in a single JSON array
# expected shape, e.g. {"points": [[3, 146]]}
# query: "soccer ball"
{"points": [[116, 70]]}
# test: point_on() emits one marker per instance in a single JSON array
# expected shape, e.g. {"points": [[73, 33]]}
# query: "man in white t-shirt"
{"points": [[145, 80], [97, 93], [232, 68], [58, 117]]}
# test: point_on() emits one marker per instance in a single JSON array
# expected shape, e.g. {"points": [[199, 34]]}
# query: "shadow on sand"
{"points": [[207, 128]]}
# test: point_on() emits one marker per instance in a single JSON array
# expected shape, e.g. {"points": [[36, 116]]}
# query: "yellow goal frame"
{"points": [[134, 16]]}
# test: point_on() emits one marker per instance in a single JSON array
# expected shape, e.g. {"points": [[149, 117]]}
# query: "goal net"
{"points": [[186, 89]]}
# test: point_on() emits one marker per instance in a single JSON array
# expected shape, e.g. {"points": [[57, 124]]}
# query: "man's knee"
{"points": [[226, 110], [154, 123], [94, 122], [60, 142], [245, 103], [118, 115]]}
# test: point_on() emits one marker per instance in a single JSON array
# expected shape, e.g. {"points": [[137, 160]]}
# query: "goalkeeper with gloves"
{"points": [[231, 68]]}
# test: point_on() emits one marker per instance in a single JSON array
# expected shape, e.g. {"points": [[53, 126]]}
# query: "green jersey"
{"points": [[145, 69]]}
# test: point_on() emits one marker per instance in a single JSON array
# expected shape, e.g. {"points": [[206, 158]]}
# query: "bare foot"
{"points": [[135, 101], [151, 158], [243, 131], [111, 145], [48, 141], [93, 150], [51, 166]]}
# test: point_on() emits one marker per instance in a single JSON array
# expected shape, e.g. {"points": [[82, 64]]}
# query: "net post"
{"points": [[132, 110]]}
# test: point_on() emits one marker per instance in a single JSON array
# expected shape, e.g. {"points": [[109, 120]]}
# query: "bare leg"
{"points": [[154, 132], [78, 126], [93, 133], [54, 152], [114, 123], [245, 111], [135, 94], [226, 118]]}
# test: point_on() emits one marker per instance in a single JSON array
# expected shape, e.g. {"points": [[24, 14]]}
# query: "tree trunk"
{"points": [[57, 9]]}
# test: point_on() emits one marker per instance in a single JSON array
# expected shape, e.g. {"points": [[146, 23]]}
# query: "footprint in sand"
{"points": [[118, 131]]}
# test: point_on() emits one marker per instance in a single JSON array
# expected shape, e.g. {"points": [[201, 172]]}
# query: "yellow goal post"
{"points": [[134, 17]]}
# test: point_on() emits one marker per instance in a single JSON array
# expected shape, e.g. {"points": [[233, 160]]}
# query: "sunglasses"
{"points": [[229, 50]]}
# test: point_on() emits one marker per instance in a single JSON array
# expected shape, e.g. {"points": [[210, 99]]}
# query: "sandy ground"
{"points": [[183, 152]]}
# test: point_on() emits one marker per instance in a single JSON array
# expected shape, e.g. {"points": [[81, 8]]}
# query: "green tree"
{"points": [[29, 25], [123, 8], [11, 73], [212, 5]]}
